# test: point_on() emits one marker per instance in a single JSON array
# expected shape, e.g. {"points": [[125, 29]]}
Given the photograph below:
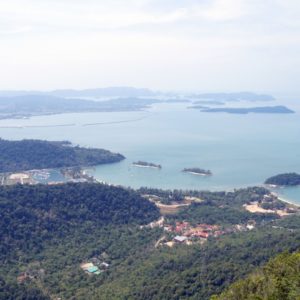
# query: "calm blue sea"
{"points": [[240, 150]]}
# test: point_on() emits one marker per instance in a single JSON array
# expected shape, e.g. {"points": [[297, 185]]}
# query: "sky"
{"points": [[187, 45]]}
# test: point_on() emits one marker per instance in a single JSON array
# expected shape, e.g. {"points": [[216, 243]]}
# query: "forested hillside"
{"points": [[196, 272], [37, 154], [55, 228], [49, 231], [33, 215], [278, 279], [14, 291]]}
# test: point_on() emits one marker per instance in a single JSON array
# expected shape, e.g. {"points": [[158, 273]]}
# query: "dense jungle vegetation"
{"points": [[278, 279], [36, 154], [48, 231], [288, 179]]}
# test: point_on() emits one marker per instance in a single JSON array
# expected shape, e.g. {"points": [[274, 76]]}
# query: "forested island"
{"points": [[25, 104], [146, 164], [197, 171], [37, 154], [286, 179]]}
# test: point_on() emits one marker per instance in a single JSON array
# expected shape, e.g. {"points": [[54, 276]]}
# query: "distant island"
{"points": [[286, 179], [241, 110], [197, 171], [146, 164], [239, 96], [26, 106], [37, 154]]}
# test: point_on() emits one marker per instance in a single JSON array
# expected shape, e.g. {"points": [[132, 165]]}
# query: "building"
{"points": [[180, 239], [104, 265]]}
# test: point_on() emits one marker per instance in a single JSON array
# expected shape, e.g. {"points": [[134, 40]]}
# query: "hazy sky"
{"points": [[201, 45]]}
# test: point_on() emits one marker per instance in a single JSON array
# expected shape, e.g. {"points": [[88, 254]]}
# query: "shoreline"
{"points": [[141, 166], [195, 173], [274, 191], [284, 199], [288, 201]]}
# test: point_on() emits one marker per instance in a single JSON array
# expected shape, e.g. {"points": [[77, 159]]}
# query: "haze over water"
{"points": [[240, 150]]}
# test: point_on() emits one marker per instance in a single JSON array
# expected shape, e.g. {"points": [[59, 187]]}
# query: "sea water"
{"points": [[240, 150]]}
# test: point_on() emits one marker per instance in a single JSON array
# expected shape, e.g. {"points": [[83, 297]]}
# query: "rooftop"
{"points": [[179, 238]]}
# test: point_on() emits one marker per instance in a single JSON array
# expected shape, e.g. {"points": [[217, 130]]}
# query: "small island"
{"points": [[286, 179], [145, 164], [197, 171]]}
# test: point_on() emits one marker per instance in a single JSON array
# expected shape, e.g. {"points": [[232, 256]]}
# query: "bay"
{"points": [[240, 150]]}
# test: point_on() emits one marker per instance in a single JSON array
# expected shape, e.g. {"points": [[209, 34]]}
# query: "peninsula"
{"points": [[38, 154], [145, 164], [197, 171]]}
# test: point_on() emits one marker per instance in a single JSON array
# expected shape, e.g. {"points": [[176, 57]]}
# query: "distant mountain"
{"points": [[109, 92], [42, 103], [240, 96], [96, 92], [105, 92]]}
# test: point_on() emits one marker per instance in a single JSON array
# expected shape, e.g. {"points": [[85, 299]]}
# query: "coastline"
{"points": [[284, 199], [275, 190]]}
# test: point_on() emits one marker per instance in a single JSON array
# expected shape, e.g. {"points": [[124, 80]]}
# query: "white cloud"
{"points": [[113, 15], [170, 43], [82, 15], [224, 10], [15, 30]]}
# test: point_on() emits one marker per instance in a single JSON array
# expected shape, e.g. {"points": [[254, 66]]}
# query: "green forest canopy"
{"points": [[289, 179], [56, 228], [278, 279], [37, 154], [33, 215]]}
